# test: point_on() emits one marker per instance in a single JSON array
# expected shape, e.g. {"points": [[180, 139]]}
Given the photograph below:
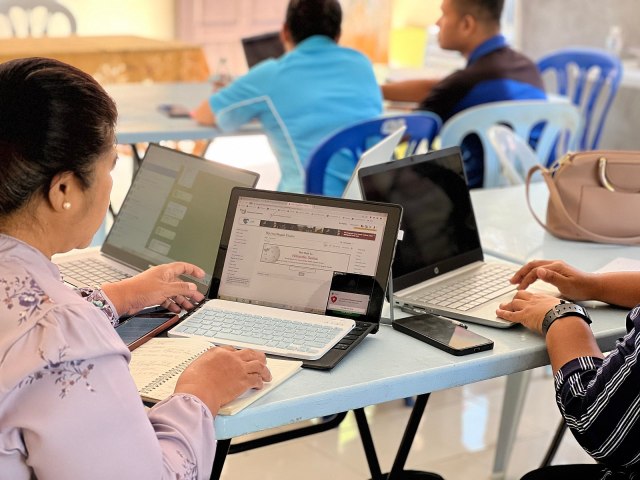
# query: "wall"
{"points": [[144, 18], [547, 25]]}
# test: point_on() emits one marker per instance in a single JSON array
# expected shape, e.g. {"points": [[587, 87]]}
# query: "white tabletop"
{"points": [[139, 119], [508, 230], [391, 365]]}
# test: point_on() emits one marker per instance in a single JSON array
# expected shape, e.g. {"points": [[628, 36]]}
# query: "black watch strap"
{"points": [[564, 309]]}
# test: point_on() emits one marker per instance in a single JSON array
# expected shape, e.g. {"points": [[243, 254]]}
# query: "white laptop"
{"points": [[297, 275], [174, 211], [439, 265], [381, 152]]}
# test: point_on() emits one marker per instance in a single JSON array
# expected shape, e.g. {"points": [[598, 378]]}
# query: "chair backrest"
{"points": [[556, 124], [590, 78], [422, 127], [515, 155], [34, 18]]}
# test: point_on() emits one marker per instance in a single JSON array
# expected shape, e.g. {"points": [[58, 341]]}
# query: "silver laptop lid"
{"points": [[174, 211], [381, 152]]}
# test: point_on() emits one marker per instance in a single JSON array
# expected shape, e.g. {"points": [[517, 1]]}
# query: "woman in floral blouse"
{"points": [[68, 406]]}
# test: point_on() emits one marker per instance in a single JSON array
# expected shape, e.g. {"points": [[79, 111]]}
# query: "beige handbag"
{"points": [[593, 196]]}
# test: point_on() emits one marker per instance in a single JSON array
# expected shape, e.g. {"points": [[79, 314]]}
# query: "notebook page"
{"points": [[156, 366]]}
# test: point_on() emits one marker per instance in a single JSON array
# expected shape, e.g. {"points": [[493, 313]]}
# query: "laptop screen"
{"points": [[306, 253], [174, 210], [440, 231], [261, 47]]}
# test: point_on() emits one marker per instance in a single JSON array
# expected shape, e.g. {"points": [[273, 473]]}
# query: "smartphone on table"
{"points": [[443, 333], [174, 110], [140, 328]]}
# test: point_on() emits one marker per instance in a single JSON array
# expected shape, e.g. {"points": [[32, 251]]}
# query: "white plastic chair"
{"points": [[34, 18], [562, 127], [515, 155]]}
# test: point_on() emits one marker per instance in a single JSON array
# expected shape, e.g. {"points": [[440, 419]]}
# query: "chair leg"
{"points": [[555, 443]]}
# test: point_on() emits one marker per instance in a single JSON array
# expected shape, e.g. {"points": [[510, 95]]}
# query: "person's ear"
{"points": [[61, 191], [469, 25], [285, 38]]}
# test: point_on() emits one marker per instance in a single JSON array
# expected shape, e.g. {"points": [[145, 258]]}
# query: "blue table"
{"points": [[391, 365], [509, 231], [140, 120]]}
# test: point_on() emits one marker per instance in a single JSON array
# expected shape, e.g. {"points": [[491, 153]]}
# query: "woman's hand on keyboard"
{"points": [[159, 285], [223, 373]]}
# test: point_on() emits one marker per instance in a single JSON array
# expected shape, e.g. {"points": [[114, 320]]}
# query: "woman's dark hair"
{"points": [[54, 118], [306, 18]]}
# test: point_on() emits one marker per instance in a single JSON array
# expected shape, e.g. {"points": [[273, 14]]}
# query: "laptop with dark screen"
{"points": [[439, 266]]}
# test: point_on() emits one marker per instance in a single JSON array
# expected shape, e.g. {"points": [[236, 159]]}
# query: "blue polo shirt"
{"points": [[494, 73], [301, 98]]}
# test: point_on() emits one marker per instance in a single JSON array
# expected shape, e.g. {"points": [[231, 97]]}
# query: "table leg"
{"points": [[514, 397], [222, 449]]}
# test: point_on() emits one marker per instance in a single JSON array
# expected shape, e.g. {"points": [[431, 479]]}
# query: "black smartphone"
{"points": [[443, 333], [173, 110], [138, 329]]}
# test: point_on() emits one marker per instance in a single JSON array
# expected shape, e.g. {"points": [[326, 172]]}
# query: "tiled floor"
{"points": [[456, 439], [457, 435]]}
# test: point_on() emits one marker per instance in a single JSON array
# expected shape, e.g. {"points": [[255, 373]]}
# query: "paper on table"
{"points": [[620, 264], [156, 366]]}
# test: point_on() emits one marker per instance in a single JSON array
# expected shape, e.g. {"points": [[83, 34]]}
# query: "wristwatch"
{"points": [[564, 309]]}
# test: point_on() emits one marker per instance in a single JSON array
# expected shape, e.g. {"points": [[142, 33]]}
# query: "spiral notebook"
{"points": [[156, 366]]}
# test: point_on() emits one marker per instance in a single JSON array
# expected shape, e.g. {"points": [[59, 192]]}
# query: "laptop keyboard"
{"points": [[90, 272], [306, 337], [484, 284]]}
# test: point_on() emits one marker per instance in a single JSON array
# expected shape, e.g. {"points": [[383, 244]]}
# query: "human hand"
{"points": [[571, 282], [203, 114], [527, 309], [223, 373], [159, 285]]}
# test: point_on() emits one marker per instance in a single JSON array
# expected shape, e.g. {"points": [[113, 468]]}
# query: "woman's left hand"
{"points": [[528, 309], [159, 285]]}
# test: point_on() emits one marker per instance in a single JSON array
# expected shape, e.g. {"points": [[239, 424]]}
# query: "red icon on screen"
{"points": [[334, 299]]}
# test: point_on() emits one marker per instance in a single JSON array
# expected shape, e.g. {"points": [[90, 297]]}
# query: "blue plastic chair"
{"points": [[422, 127], [558, 124], [590, 78]]}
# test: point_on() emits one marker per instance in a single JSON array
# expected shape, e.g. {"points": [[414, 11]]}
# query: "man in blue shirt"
{"points": [[494, 72], [316, 88]]}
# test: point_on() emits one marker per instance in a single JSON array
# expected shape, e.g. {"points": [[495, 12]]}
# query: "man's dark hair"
{"points": [[54, 118], [306, 18], [484, 10]]}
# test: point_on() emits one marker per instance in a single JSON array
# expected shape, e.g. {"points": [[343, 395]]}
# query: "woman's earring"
{"points": [[66, 205]]}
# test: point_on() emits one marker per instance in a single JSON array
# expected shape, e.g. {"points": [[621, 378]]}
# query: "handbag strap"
{"points": [[556, 199]]}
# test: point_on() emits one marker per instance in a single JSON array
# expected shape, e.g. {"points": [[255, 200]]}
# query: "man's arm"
{"points": [[408, 90], [203, 114]]}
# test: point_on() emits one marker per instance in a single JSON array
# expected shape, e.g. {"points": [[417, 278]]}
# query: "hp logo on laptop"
{"points": [[436, 270]]}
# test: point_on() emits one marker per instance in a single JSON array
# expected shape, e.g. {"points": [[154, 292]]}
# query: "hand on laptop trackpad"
{"points": [[543, 287]]}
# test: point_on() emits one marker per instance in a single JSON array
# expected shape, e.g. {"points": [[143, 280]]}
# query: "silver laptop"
{"points": [[381, 152], [174, 211], [300, 276], [439, 266]]}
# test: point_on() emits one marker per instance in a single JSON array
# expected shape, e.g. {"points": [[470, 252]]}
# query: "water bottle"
{"points": [[614, 41], [222, 76]]}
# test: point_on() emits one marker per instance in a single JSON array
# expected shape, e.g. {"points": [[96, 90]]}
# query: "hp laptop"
{"points": [[439, 266], [381, 152], [260, 47], [174, 211], [287, 257]]}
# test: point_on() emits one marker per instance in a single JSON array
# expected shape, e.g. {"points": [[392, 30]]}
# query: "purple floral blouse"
{"points": [[68, 405]]}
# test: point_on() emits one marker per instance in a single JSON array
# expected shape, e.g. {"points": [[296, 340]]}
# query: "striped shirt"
{"points": [[600, 401]]}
